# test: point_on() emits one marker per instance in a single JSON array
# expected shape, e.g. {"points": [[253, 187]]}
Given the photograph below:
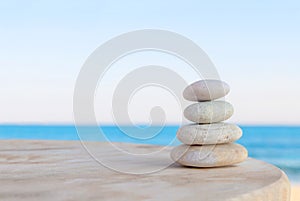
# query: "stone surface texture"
{"points": [[205, 90], [216, 133], [64, 171], [209, 155], [209, 112]]}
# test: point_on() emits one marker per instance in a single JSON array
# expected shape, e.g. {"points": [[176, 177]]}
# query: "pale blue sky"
{"points": [[255, 46]]}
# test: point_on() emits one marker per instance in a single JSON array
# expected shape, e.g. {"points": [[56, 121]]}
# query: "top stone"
{"points": [[206, 90]]}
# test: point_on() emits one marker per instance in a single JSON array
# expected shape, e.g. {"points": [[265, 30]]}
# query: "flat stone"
{"points": [[205, 90], [64, 170], [216, 133], [209, 155], [209, 112]]}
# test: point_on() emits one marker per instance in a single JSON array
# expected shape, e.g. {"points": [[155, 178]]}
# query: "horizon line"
{"points": [[144, 124]]}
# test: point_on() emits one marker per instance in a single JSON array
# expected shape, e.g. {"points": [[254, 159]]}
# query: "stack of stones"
{"points": [[209, 141]]}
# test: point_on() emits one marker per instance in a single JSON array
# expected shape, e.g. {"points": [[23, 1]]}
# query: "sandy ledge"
{"points": [[295, 192], [63, 170]]}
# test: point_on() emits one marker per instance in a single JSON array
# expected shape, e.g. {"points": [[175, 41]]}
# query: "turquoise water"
{"points": [[279, 145]]}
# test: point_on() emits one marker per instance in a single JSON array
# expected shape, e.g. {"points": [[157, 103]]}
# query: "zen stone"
{"points": [[209, 112], [209, 155], [205, 90], [217, 133]]}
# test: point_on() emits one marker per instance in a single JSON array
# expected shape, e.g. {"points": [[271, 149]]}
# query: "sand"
{"points": [[63, 170], [295, 192]]}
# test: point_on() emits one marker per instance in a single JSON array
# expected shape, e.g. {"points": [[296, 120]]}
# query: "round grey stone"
{"points": [[209, 155], [216, 133], [205, 90], [209, 112]]}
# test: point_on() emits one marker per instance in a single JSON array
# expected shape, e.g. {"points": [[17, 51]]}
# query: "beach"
{"points": [[277, 145], [280, 148], [63, 170], [295, 192]]}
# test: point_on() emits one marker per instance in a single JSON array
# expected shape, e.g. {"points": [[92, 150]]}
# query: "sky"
{"points": [[254, 45]]}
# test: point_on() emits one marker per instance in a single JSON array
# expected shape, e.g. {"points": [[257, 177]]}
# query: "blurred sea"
{"points": [[279, 145]]}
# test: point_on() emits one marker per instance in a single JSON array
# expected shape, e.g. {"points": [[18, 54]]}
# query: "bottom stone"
{"points": [[209, 155]]}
